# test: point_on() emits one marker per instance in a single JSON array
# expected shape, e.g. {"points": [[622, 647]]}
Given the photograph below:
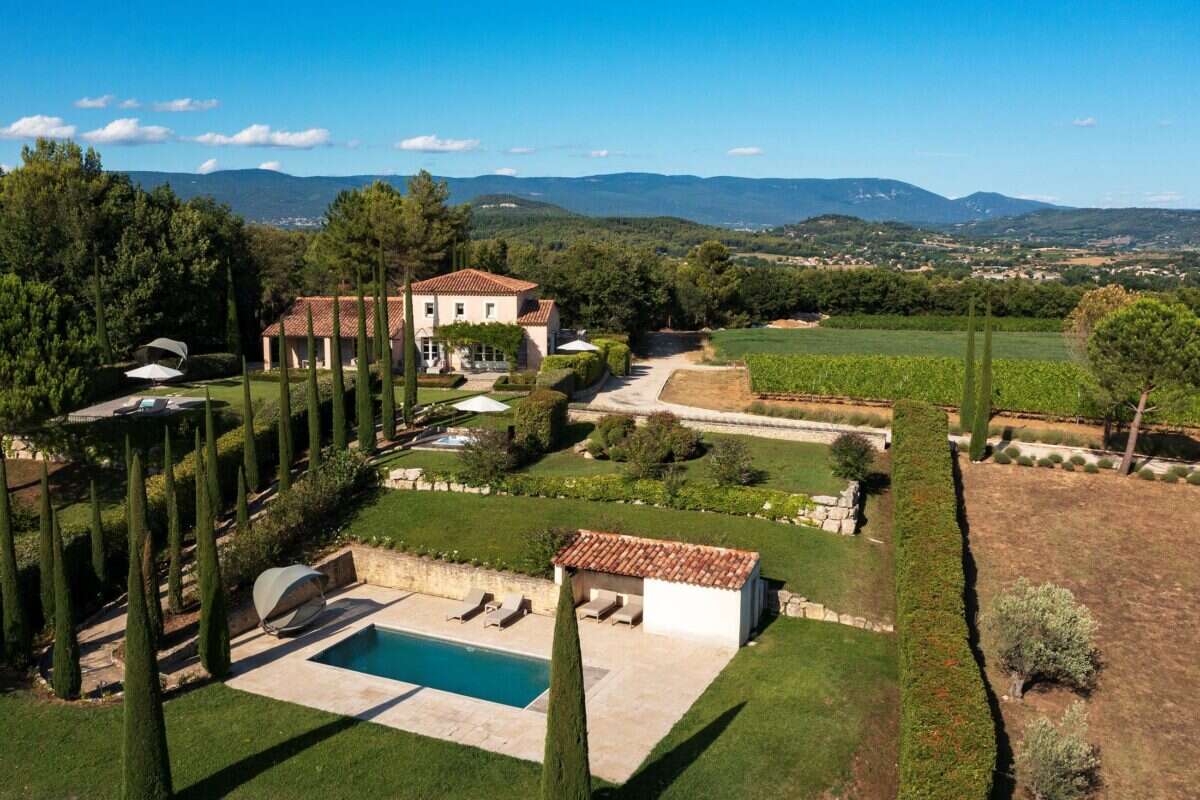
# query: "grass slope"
{"points": [[733, 345]]}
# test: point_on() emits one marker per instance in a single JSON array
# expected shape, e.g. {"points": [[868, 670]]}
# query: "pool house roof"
{"points": [[677, 562]]}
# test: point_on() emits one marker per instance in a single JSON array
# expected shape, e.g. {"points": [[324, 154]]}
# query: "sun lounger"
{"points": [[507, 611], [471, 604], [601, 604], [629, 613], [128, 407]]}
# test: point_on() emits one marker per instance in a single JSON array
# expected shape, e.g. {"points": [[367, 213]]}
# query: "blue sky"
{"points": [[1086, 104]]}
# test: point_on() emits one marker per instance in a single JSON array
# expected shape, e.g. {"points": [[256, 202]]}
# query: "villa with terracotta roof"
{"points": [[468, 295]]}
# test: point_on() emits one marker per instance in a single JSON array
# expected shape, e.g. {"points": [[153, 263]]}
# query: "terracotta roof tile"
{"points": [[679, 562], [472, 281], [296, 319], [536, 313]]}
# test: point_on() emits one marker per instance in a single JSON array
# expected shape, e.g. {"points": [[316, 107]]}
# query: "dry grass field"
{"points": [[1128, 550]]}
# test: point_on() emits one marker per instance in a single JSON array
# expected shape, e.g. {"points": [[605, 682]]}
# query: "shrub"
{"points": [[1042, 634], [729, 463], [616, 355], [613, 429], [1180, 471], [1002, 458], [682, 442], [1169, 477], [644, 454], [1068, 467], [1105, 463], [1056, 458], [209, 366], [1045, 462], [538, 547], [1077, 460], [559, 380], [588, 367], [851, 456], [1058, 762], [1013, 452], [516, 382], [1091, 469], [1194, 479], [486, 456], [1025, 461], [1147, 474], [947, 738], [541, 419]]}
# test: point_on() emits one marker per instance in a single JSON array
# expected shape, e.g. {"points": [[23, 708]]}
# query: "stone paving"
{"points": [[641, 684]]}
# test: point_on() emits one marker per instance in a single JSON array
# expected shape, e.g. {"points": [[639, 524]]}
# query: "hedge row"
{"points": [[1055, 388], [588, 367], [516, 382], [558, 380], [541, 420], [939, 322], [691, 496], [615, 354], [209, 366], [451, 380], [947, 739]]}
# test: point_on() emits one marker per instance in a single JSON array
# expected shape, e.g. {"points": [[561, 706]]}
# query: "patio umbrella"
{"points": [[155, 373], [578, 346], [481, 404]]}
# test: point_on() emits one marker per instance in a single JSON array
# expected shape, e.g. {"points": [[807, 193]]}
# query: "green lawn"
{"points": [[822, 566], [735, 344], [785, 719], [228, 391]]}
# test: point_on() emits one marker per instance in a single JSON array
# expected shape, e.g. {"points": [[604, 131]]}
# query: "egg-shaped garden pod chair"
{"points": [[288, 599]]}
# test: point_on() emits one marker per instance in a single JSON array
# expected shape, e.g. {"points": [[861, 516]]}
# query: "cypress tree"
{"points": [[17, 633], [966, 411], [983, 411], [314, 401], [213, 636], [174, 530], [233, 330], [149, 554], [376, 297], [362, 385], [339, 382], [410, 352], [102, 342], [65, 678], [210, 444], [243, 507], [99, 563], [146, 764], [46, 551], [388, 410], [249, 446], [565, 771], [285, 415]]}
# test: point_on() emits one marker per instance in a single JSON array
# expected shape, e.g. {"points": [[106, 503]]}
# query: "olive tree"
{"points": [[1057, 762], [1042, 633]]}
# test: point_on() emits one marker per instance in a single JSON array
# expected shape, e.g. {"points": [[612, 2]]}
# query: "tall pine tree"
{"points": [[210, 446], [966, 411], [565, 771], [388, 410], [17, 631], [233, 329], [213, 636], [65, 678], [146, 765], [365, 418], [285, 415], [340, 439], [249, 445], [46, 551], [174, 530], [983, 411], [314, 400], [99, 560], [102, 343], [410, 353]]}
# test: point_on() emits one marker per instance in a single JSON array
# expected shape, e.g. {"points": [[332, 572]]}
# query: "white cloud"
{"points": [[521, 151], [6, 168], [598, 154], [432, 144], [262, 136], [185, 104], [1084, 122], [744, 151], [129, 131], [207, 167], [130, 102], [509, 171], [38, 126], [274, 166], [1163, 197], [103, 101]]}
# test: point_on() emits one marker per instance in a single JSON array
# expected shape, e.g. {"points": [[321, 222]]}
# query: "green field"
{"points": [[734, 345]]}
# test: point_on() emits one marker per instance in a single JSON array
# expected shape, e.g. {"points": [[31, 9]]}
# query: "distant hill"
{"points": [[267, 196], [1147, 228]]}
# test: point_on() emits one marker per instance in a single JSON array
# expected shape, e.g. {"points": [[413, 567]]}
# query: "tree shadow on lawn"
{"points": [[656, 777]]}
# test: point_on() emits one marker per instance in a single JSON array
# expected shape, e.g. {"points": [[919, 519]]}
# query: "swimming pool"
{"points": [[494, 675]]}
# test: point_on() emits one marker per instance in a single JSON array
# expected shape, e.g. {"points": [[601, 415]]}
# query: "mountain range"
{"points": [[267, 196]]}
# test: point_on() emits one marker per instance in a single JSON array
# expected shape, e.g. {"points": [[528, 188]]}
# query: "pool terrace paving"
{"points": [[638, 685]]}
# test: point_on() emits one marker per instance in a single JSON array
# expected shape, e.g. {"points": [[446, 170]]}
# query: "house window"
{"points": [[489, 310], [429, 310], [483, 353], [431, 350], [460, 310]]}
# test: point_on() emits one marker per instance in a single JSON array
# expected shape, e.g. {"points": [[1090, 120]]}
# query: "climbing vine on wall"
{"points": [[503, 336]]}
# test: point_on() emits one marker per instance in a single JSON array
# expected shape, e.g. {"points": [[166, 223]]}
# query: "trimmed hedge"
{"points": [[947, 737], [937, 322], [516, 382], [450, 380], [209, 366], [558, 380], [588, 367], [616, 355], [1055, 388], [541, 420]]}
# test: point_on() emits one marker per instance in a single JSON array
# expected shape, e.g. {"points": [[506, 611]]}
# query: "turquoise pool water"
{"points": [[494, 675]]}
